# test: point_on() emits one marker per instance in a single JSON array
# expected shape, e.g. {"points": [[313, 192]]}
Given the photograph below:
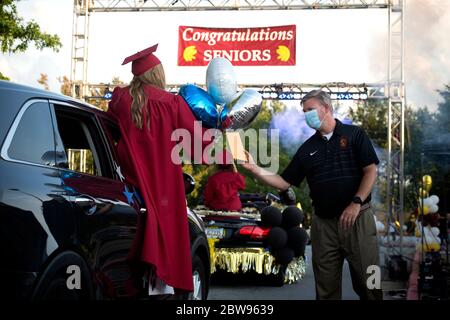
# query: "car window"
{"points": [[81, 142], [33, 139], [112, 133]]}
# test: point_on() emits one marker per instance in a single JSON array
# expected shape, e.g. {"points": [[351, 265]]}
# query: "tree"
{"points": [[65, 85], [371, 115], [436, 150], [43, 80], [3, 77], [16, 35], [427, 150], [443, 114], [419, 125]]}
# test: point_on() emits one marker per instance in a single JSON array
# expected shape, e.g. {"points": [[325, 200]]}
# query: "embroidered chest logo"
{"points": [[343, 143]]}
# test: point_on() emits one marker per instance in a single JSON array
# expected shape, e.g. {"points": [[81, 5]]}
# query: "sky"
{"points": [[332, 45]]}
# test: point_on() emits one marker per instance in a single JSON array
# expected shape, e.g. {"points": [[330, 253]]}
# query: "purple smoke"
{"points": [[345, 120], [293, 128]]}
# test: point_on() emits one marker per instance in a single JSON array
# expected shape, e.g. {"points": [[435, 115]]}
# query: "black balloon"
{"points": [[277, 238], [271, 217], [284, 255], [292, 217], [297, 239]]}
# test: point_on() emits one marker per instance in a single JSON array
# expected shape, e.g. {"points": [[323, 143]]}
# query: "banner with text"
{"points": [[266, 46]]}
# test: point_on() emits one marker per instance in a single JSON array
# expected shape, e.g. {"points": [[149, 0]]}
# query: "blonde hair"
{"points": [[154, 77]]}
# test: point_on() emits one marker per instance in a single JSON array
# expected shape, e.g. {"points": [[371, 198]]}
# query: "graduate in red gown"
{"points": [[147, 116], [221, 190]]}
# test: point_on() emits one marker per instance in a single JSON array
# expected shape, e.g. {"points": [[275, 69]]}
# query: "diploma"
{"points": [[236, 146]]}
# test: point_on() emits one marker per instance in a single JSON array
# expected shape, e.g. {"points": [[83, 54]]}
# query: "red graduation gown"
{"points": [[221, 191], [145, 159]]}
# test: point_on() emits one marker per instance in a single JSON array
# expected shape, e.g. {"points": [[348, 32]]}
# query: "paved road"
{"points": [[248, 289]]}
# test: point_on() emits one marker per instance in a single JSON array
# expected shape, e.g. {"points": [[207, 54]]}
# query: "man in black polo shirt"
{"points": [[339, 164]]}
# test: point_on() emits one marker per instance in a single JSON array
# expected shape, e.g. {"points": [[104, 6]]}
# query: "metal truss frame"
{"points": [[203, 5], [279, 91]]}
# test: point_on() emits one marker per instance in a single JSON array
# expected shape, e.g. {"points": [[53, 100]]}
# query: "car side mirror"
{"points": [[189, 183]]}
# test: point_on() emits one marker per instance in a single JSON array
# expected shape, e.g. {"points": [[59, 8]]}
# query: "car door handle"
{"points": [[87, 204]]}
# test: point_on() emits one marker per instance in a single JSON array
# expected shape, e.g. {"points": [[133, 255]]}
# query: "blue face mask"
{"points": [[313, 120]]}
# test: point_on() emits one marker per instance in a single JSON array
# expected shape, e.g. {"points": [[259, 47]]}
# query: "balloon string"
{"points": [[234, 166], [221, 107]]}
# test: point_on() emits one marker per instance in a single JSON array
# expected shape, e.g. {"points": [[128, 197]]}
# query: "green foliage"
{"points": [[3, 77], [443, 114], [371, 115], [419, 124], [200, 173], [16, 35], [425, 129]]}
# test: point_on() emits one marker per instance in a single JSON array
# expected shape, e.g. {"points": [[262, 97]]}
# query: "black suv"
{"points": [[64, 208]]}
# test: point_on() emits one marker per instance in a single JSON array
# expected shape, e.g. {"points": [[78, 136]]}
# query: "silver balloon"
{"points": [[242, 111], [221, 81]]}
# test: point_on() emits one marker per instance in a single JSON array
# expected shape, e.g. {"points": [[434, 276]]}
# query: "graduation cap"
{"points": [[143, 60]]}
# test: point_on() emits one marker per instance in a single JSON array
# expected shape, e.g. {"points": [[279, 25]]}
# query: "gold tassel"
{"points": [[295, 270], [212, 251], [235, 260]]}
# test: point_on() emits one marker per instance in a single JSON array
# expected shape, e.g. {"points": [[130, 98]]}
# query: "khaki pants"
{"points": [[331, 244]]}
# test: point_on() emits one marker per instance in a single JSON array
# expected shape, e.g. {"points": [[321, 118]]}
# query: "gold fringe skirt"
{"points": [[237, 260]]}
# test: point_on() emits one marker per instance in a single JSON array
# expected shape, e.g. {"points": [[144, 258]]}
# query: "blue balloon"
{"points": [[201, 104]]}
